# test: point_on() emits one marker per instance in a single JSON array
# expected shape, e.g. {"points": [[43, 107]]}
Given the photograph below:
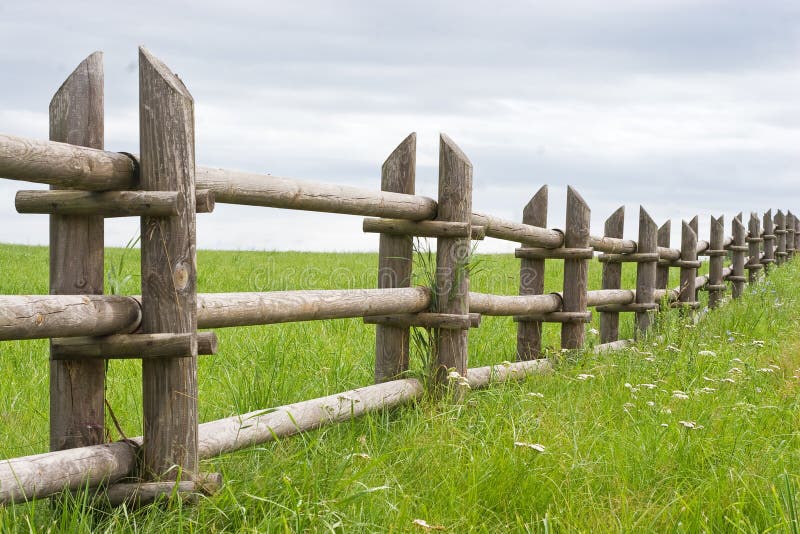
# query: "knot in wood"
{"points": [[180, 276]]}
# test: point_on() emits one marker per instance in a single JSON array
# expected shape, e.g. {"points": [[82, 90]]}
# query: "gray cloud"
{"points": [[683, 106]]}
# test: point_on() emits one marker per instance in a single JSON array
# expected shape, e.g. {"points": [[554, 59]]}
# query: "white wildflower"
{"points": [[673, 348], [707, 379], [536, 394], [650, 359], [776, 367], [736, 360], [648, 386], [766, 370], [593, 331], [651, 403], [535, 446], [758, 343], [735, 370], [628, 385], [690, 424], [706, 353], [584, 376], [729, 380], [708, 390], [680, 394], [665, 425]]}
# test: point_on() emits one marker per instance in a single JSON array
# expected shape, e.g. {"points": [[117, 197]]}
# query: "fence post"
{"points": [[790, 234], [687, 296], [646, 272], [169, 273], [739, 249], [576, 272], [695, 226], [716, 252], [769, 241], [662, 270], [452, 257], [531, 280], [796, 234], [780, 233], [76, 264], [395, 262], [753, 240], [612, 278]]}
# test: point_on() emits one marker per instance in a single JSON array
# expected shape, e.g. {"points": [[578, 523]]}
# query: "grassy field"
{"points": [[693, 430]]}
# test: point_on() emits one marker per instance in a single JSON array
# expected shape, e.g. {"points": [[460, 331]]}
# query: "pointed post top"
{"points": [[407, 146], [535, 211], [574, 196], [687, 229], [693, 223], [615, 222], [148, 60], [448, 145], [644, 216]]}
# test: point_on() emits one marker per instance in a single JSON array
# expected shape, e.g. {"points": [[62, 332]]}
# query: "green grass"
{"points": [[618, 453]]}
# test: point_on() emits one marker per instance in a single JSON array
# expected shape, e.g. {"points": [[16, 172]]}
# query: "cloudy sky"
{"points": [[686, 107]]}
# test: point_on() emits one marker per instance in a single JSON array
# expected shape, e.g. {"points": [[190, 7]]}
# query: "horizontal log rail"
{"points": [[41, 475], [75, 167]]}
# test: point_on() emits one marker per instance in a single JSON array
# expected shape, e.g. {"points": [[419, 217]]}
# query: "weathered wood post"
{"points": [[790, 222], [451, 294], [646, 272], [688, 265], [169, 271], [612, 277], [769, 241], [739, 248], [753, 243], [76, 264], [695, 226], [716, 252], [780, 232], [395, 262], [576, 271], [531, 280], [662, 270], [796, 234]]}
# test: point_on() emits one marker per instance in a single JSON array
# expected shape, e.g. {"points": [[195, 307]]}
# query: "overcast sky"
{"points": [[686, 107]]}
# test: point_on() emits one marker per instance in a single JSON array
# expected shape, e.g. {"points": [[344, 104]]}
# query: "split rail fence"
{"points": [[162, 186]]}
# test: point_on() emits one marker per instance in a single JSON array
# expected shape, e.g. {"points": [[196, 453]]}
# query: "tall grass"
{"points": [[692, 430]]}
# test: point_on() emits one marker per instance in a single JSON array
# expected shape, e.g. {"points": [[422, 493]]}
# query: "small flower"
{"points": [[584, 376], [706, 353], [535, 446], [737, 360], [536, 394], [651, 403], [628, 385], [707, 379], [735, 370], [673, 348], [593, 331], [665, 425], [680, 395], [690, 424], [650, 359], [648, 386], [776, 367], [766, 370], [708, 390], [757, 343]]}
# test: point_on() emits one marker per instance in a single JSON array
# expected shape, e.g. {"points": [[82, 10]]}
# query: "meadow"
{"points": [[693, 429]]}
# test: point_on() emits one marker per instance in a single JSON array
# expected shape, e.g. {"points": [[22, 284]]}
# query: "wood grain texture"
{"points": [[715, 263], [395, 262], [452, 257], [220, 310], [688, 254], [507, 305], [407, 229], [64, 164], [769, 241], [790, 231], [739, 236], [77, 410], [234, 187], [612, 277], [780, 233], [754, 245], [531, 280], [662, 271], [526, 234], [169, 271], [101, 204], [645, 272], [124, 346], [576, 272]]}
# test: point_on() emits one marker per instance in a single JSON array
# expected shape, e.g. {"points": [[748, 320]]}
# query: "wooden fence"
{"points": [[163, 187]]}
